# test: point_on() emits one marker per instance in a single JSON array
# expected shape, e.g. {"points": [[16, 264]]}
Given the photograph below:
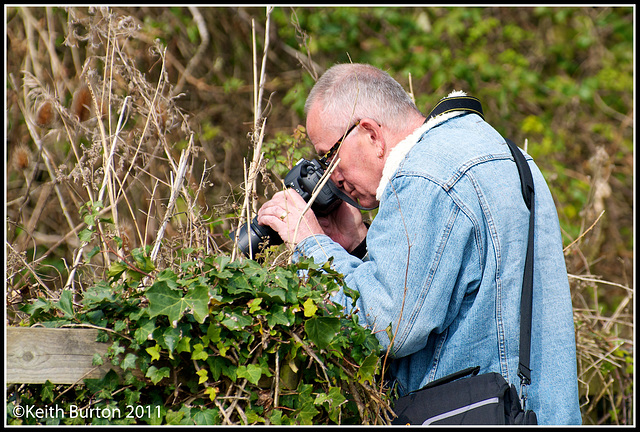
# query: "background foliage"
{"points": [[558, 80]]}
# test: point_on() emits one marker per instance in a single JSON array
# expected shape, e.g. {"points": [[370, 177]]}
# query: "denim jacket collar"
{"points": [[397, 153]]}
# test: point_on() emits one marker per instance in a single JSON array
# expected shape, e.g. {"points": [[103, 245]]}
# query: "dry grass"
{"points": [[107, 136]]}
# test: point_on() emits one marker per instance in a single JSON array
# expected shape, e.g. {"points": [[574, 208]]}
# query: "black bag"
{"points": [[475, 400], [487, 399]]}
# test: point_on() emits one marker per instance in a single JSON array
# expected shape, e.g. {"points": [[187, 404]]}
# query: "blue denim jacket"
{"points": [[445, 266]]}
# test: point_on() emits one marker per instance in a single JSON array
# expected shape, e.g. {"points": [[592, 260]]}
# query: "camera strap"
{"points": [[456, 103], [344, 197]]}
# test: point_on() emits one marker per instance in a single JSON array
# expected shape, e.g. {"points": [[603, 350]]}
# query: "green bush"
{"points": [[219, 342]]}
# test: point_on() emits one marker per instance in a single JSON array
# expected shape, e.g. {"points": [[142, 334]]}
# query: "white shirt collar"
{"points": [[398, 153]]}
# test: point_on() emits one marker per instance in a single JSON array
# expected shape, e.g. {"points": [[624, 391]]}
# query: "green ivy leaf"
{"points": [[119, 325], [198, 300], [97, 360], [276, 417], [183, 345], [85, 235], [310, 308], [203, 374], [251, 372], [273, 294], [171, 337], [199, 353], [154, 352], [235, 320], [211, 391], [37, 307], [217, 364], [322, 330], [156, 375], [230, 371], [47, 391], [307, 413], [367, 370], [333, 398], [222, 348], [174, 417], [131, 397], [143, 262], [146, 328], [65, 304], [239, 284], [89, 219], [164, 300], [116, 269], [254, 305], [278, 316], [253, 417], [355, 295], [213, 334], [169, 276], [115, 349], [206, 416], [129, 361], [220, 272]]}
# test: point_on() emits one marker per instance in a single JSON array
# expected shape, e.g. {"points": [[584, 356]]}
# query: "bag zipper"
{"points": [[461, 410]]}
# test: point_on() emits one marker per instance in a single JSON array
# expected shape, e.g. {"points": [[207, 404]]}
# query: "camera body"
{"points": [[303, 178]]}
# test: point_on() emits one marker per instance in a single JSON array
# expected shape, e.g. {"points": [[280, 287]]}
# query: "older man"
{"points": [[447, 246]]}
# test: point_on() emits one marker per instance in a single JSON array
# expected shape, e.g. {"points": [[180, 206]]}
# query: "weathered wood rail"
{"points": [[61, 355]]}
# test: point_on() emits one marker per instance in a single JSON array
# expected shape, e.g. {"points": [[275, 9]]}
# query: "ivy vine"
{"points": [[216, 342]]}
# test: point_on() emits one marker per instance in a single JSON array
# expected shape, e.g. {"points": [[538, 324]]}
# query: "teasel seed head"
{"points": [[46, 114], [82, 103], [21, 158]]}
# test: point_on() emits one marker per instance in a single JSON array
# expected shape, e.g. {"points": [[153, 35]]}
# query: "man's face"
{"points": [[360, 169]]}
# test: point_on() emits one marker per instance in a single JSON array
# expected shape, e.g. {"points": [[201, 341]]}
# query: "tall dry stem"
{"points": [[175, 190], [249, 206]]}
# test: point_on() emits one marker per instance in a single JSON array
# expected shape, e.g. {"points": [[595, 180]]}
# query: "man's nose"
{"points": [[337, 177]]}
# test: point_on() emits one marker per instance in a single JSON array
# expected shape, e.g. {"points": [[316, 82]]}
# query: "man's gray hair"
{"points": [[349, 92]]}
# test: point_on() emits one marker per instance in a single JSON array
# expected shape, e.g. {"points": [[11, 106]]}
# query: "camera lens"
{"points": [[303, 178], [254, 237]]}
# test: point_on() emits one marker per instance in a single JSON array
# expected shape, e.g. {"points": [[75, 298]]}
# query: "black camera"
{"points": [[303, 178]]}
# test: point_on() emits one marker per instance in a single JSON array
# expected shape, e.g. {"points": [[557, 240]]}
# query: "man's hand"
{"points": [[282, 213], [345, 226]]}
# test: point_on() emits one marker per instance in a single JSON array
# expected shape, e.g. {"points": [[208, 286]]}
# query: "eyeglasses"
{"points": [[326, 159]]}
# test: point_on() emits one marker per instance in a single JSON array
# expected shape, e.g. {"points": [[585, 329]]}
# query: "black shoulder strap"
{"points": [[457, 103], [526, 179], [472, 104]]}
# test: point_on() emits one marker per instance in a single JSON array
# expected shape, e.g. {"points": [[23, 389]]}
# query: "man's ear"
{"points": [[374, 134]]}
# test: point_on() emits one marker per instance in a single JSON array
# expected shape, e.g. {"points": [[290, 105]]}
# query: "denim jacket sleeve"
{"points": [[403, 284]]}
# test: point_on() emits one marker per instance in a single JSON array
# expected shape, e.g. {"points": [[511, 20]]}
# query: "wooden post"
{"points": [[59, 355]]}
